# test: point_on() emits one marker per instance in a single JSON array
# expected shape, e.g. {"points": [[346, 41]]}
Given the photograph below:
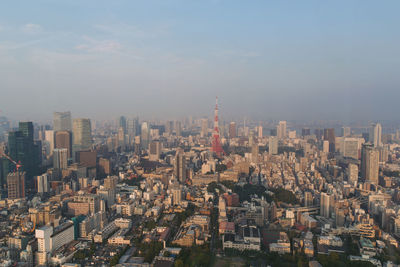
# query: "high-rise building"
{"points": [[49, 142], [305, 132], [352, 173], [82, 135], [375, 134], [259, 131], [62, 121], [60, 159], [308, 199], [370, 164], [145, 135], [23, 149], [329, 135], [176, 195], [326, 205], [154, 150], [180, 166], [42, 183], [63, 139], [232, 130], [350, 148], [204, 127], [16, 185], [122, 124], [178, 128], [281, 130], [346, 131], [273, 145]]}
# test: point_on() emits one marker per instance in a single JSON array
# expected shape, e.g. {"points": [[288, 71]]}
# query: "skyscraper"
{"points": [[204, 127], [145, 135], [369, 164], [122, 123], [346, 131], [63, 139], [82, 135], [352, 173], [326, 205], [180, 166], [49, 142], [273, 145], [60, 159], [62, 121], [329, 135], [23, 149], [16, 185], [375, 134], [232, 130], [281, 130]]}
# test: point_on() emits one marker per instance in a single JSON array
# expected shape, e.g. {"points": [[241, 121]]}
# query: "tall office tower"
{"points": [[176, 195], [42, 183], [346, 131], [82, 135], [204, 127], [281, 130], [319, 133], [308, 199], [145, 135], [62, 121], [350, 148], [329, 135], [121, 138], [49, 142], [254, 152], [369, 164], [273, 145], [178, 128], [260, 131], [23, 149], [111, 182], [325, 146], [43, 236], [326, 205], [60, 159], [375, 135], [169, 126], [232, 130], [63, 139], [352, 173], [16, 185], [132, 126], [216, 142], [154, 150], [180, 166], [305, 132], [122, 123]]}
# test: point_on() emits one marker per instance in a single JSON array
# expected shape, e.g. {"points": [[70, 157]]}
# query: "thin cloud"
{"points": [[31, 28], [103, 46]]}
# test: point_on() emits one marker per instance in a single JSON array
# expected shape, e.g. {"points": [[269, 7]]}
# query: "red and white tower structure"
{"points": [[216, 142]]}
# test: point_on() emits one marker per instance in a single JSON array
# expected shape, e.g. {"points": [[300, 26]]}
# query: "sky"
{"points": [[329, 60]]}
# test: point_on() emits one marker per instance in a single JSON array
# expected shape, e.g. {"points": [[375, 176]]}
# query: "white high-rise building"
{"points": [[281, 130], [62, 121], [375, 135], [204, 127], [42, 183], [352, 173], [82, 134], [60, 159], [273, 145], [49, 142]]}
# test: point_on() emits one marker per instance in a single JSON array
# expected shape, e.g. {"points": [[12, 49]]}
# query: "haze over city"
{"points": [[158, 59]]}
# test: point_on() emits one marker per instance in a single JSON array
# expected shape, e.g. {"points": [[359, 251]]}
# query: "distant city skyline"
{"points": [[265, 60]]}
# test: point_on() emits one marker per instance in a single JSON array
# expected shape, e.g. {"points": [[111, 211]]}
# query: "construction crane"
{"points": [[18, 165]]}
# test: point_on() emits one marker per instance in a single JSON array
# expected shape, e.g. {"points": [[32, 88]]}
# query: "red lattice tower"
{"points": [[216, 143]]}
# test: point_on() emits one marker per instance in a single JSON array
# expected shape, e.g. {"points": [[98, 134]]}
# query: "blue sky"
{"points": [[264, 59]]}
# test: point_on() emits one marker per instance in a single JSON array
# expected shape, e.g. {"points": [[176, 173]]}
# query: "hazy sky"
{"points": [[264, 59]]}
